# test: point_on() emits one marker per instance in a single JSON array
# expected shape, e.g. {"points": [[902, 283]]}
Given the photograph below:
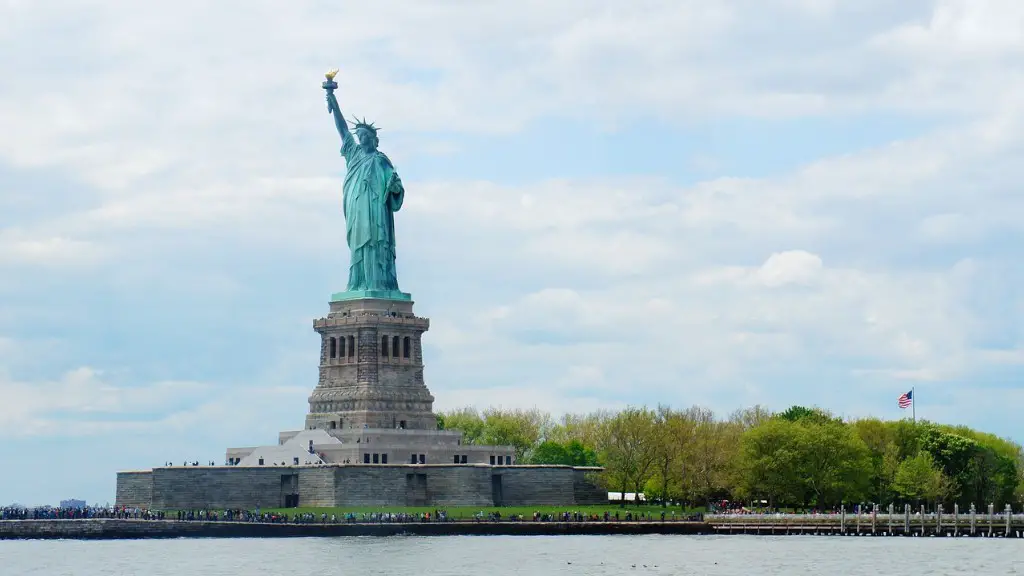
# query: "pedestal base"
{"points": [[371, 294]]}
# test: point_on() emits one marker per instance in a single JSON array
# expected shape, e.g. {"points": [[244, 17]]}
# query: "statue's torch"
{"points": [[330, 85]]}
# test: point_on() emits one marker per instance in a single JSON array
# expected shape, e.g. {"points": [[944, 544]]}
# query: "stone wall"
{"points": [[316, 487], [451, 485], [536, 485], [197, 487], [407, 485], [374, 387], [586, 488], [135, 489], [366, 353], [460, 486], [369, 486]]}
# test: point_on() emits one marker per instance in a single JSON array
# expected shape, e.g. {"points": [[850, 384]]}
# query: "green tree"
{"points": [[587, 429], [715, 446], [959, 458], [887, 478], [466, 420], [803, 414], [834, 461], [555, 453], [551, 452], [906, 435], [878, 438], [806, 460], [918, 478], [673, 440], [1018, 493], [521, 429], [770, 462], [996, 467], [628, 449], [580, 455], [801, 456], [748, 418]]}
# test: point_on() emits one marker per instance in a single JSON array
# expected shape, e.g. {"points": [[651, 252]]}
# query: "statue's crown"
{"points": [[365, 125]]}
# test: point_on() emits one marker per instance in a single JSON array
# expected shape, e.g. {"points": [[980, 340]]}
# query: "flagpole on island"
{"points": [[913, 404]]}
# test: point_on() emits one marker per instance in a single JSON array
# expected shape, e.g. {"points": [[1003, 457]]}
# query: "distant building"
{"points": [[72, 503]]}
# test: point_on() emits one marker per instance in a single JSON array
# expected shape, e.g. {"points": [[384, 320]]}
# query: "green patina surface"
{"points": [[372, 193], [375, 294]]}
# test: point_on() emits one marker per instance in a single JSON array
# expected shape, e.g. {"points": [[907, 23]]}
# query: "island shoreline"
{"points": [[130, 529], [137, 529]]}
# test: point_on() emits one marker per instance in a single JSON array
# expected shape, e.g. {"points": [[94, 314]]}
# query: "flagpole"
{"points": [[913, 404]]}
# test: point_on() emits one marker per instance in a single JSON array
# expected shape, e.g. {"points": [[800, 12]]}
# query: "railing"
{"points": [[947, 519], [988, 522]]}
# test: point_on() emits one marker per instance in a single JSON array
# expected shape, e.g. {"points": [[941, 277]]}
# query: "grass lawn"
{"points": [[468, 512]]}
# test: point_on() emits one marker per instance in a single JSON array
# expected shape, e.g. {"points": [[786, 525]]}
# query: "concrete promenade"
{"points": [[119, 529], [976, 525]]}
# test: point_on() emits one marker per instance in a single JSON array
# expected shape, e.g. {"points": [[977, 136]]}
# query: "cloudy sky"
{"points": [[608, 203]]}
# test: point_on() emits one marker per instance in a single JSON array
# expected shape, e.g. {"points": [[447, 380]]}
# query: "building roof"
{"points": [[294, 451], [318, 436]]}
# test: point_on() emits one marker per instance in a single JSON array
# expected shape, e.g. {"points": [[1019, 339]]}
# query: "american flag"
{"points": [[906, 399]]}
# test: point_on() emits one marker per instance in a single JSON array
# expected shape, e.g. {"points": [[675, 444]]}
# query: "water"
{"points": [[508, 555]]}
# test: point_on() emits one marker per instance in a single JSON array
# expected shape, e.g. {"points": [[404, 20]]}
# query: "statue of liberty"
{"points": [[373, 192]]}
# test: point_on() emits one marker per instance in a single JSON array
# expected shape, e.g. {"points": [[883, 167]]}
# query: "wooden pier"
{"points": [[987, 524]]}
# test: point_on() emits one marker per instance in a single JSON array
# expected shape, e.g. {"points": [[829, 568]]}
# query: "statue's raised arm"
{"points": [[332, 107]]}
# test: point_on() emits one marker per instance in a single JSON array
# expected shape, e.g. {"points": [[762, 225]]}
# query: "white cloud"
{"points": [[18, 249], [82, 402], [739, 321], [185, 86], [520, 397], [791, 267], [961, 29], [39, 406], [948, 228]]}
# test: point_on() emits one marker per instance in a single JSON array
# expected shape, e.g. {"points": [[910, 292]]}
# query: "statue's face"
{"points": [[366, 139]]}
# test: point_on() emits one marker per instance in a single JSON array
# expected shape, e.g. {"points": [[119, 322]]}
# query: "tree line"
{"points": [[801, 458]]}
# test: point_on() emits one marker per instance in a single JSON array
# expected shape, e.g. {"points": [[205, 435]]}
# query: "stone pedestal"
{"points": [[370, 404], [371, 368]]}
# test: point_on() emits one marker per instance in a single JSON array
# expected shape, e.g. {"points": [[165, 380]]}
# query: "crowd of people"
{"points": [[76, 513], [435, 516], [240, 515], [727, 508]]}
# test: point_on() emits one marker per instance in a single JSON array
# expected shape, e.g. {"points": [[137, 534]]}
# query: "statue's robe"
{"points": [[373, 193]]}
